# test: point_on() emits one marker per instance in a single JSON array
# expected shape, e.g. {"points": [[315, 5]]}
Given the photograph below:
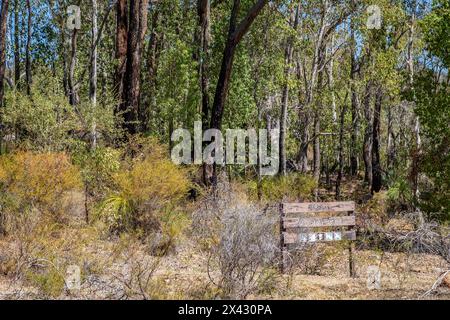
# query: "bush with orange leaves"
{"points": [[35, 185]]}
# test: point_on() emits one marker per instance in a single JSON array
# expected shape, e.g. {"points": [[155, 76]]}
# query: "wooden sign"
{"points": [[291, 238], [290, 233], [318, 207], [319, 222]]}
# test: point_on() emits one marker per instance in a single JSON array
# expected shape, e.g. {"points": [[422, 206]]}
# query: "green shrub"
{"points": [[400, 195], [293, 187], [45, 121], [98, 168]]}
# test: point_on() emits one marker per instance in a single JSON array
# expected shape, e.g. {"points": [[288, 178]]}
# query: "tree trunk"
{"points": [[376, 162], [317, 157], [93, 67], [204, 37], [152, 65], [367, 148], [235, 34], [64, 63], [355, 112], [390, 148], [204, 13], [3, 28], [304, 142], [418, 142], [73, 94], [137, 28], [285, 98], [16, 44], [28, 49], [121, 44], [317, 114], [93, 73], [341, 152]]}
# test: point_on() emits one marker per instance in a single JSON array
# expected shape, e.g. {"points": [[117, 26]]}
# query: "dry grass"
{"points": [[124, 268]]}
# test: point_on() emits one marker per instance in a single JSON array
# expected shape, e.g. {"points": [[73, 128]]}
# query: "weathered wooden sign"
{"points": [[298, 230], [317, 207], [292, 238], [319, 222]]}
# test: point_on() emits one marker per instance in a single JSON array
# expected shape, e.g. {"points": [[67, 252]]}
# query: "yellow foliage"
{"points": [[36, 181], [153, 180], [293, 187], [3, 174], [147, 190]]}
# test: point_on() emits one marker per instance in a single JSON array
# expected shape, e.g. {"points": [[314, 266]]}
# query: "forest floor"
{"points": [[402, 277], [183, 274]]}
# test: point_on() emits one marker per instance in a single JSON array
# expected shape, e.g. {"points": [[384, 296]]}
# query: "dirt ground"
{"points": [[402, 277], [183, 275]]}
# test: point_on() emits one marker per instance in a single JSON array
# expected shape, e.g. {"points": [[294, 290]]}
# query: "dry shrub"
{"points": [[130, 273], [34, 185], [375, 210], [411, 236], [310, 258], [37, 261], [243, 244]]}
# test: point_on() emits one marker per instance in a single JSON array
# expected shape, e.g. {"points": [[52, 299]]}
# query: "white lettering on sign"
{"points": [[320, 236]]}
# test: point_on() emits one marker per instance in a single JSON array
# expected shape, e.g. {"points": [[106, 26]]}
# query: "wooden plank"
{"points": [[317, 222], [318, 207], [291, 238]]}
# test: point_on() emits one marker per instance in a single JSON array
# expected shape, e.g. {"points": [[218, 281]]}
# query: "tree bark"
{"points": [[65, 79], [285, 97], [204, 37], [317, 114], [16, 44], [28, 49], [204, 13], [341, 152], [137, 28], [93, 68], [355, 113], [93, 72], [390, 147], [376, 162], [121, 44], [152, 69], [73, 93], [418, 140], [367, 147], [3, 27], [235, 34]]}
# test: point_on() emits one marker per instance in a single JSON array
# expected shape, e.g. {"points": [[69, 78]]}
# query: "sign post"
{"points": [[290, 233]]}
